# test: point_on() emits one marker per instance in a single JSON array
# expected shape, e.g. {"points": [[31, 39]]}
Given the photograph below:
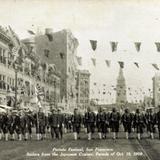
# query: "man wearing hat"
{"points": [[139, 122], [127, 120], [76, 123], [40, 124], [114, 121], [60, 117], [53, 123], [90, 120]]}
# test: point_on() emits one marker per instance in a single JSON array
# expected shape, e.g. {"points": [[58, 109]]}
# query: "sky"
{"points": [[103, 20]]}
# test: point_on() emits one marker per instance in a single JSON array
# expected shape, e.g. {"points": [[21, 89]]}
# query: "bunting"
{"points": [[93, 44], [155, 66], [157, 46], [138, 46], [93, 61], [108, 63], [114, 46], [121, 64], [137, 65], [31, 32]]}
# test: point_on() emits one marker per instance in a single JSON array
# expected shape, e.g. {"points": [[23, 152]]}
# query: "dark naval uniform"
{"points": [[90, 119], [105, 124], [99, 121], [76, 122], [127, 120], [60, 124], [139, 122], [39, 119], [53, 122], [114, 121], [150, 120]]}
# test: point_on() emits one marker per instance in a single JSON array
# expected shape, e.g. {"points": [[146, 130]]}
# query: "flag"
{"points": [[93, 61], [137, 45], [93, 44], [121, 64], [155, 66], [157, 46], [31, 32], [114, 46], [108, 63], [137, 65], [79, 60]]}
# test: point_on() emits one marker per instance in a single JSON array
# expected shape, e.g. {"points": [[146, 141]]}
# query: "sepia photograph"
{"points": [[79, 80]]}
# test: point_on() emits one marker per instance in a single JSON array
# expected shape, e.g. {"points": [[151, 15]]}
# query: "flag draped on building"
{"points": [[114, 46], [138, 46], [93, 44]]}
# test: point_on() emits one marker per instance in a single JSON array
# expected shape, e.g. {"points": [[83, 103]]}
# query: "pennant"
{"points": [[155, 66], [137, 65], [93, 44], [157, 46], [114, 46], [108, 63], [138, 46], [93, 61], [31, 32], [61, 55], [121, 64], [79, 60]]}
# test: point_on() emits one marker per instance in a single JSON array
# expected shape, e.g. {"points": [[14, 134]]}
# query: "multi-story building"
{"points": [[21, 71], [156, 89], [121, 96], [83, 89], [59, 48]]}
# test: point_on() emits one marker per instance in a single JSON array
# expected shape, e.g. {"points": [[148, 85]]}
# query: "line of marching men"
{"points": [[19, 125]]}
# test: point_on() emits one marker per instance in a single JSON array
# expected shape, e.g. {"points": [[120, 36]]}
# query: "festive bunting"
{"points": [[31, 32], [157, 46], [155, 66], [93, 61], [137, 65], [121, 64], [114, 46], [61, 55], [93, 44], [137, 45], [108, 63], [79, 60]]}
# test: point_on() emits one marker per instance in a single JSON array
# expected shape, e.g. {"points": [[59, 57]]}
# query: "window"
{"points": [[46, 53]]}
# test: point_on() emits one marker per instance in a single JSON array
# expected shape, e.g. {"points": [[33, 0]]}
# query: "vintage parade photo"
{"points": [[79, 80]]}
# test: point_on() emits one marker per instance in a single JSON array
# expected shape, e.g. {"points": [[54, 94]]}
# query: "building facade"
{"points": [[156, 90], [83, 89], [121, 95], [21, 71], [59, 48]]}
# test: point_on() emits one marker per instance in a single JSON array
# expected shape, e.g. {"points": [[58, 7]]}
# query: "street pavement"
{"points": [[69, 149]]}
